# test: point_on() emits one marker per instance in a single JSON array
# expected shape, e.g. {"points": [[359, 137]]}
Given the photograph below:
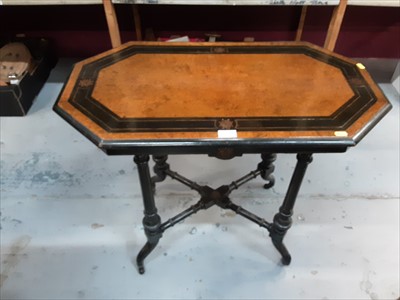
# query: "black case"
{"points": [[16, 99]]}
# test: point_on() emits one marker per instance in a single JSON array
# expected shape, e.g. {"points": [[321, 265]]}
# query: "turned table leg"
{"points": [[159, 169], [266, 166], [151, 220], [283, 219]]}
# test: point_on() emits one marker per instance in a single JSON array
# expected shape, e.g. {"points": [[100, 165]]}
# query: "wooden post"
{"points": [[112, 23], [301, 23], [334, 25], [138, 23]]}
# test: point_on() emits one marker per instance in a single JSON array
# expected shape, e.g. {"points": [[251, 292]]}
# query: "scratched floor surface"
{"points": [[71, 220]]}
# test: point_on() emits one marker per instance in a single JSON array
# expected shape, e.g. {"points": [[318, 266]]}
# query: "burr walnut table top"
{"points": [[152, 97]]}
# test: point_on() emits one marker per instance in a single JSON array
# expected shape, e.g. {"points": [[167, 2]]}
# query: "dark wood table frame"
{"points": [[140, 99], [154, 228]]}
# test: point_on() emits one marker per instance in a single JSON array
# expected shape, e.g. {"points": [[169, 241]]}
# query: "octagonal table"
{"points": [[223, 100]]}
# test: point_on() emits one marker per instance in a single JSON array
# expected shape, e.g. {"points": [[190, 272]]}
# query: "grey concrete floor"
{"points": [[71, 220]]}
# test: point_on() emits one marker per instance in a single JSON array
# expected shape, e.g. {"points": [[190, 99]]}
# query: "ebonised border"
{"points": [[341, 119]]}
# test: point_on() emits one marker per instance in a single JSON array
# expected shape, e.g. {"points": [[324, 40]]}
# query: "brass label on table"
{"points": [[341, 133], [360, 66]]}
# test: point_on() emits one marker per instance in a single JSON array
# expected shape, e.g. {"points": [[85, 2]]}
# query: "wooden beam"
{"points": [[301, 23], [138, 23], [334, 25], [112, 23]]}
